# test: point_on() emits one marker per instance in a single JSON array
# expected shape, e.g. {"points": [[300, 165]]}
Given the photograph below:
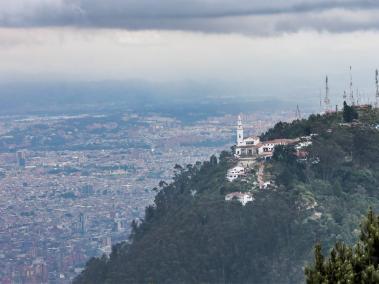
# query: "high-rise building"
{"points": [[82, 223], [118, 224], [21, 160]]}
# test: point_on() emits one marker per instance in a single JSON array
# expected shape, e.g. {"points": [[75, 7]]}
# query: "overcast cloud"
{"points": [[241, 16], [266, 47]]}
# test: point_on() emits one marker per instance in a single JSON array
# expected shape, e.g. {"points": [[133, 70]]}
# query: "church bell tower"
{"points": [[239, 131]]}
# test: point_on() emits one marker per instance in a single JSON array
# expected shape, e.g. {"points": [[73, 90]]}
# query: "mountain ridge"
{"points": [[192, 235]]}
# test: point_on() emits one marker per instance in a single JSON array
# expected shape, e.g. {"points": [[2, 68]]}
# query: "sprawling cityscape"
{"points": [[71, 185], [114, 121]]}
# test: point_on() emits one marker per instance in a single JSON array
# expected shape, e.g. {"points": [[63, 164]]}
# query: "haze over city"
{"points": [[188, 141]]}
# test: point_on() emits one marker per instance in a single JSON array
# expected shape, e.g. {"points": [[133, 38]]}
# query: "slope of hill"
{"points": [[192, 235]]}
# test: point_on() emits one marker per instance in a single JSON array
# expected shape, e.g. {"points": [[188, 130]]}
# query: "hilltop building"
{"points": [[246, 148], [249, 149]]}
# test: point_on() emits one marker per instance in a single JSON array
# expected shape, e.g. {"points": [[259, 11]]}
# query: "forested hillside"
{"points": [[349, 264], [192, 235]]}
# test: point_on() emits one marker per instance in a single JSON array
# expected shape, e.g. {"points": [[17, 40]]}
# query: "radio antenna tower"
{"points": [[298, 113], [344, 95], [351, 89], [377, 89], [326, 99]]}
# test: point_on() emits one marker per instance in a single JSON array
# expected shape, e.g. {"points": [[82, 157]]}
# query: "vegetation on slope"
{"points": [[358, 264], [191, 235], [341, 174]]}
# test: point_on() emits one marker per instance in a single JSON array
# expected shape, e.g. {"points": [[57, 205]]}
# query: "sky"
{"points": [[273, 46]]}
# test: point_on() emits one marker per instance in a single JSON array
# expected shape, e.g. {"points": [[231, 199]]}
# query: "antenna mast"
{"points": [[298, 113], [377, 89], [326, 99], [351, 89]]}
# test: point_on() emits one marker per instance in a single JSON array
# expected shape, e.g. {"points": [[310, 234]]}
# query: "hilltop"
{"points": [[192, 235]]}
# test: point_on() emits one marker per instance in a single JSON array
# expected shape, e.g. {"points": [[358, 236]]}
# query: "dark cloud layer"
{"points": [[245, 16]]}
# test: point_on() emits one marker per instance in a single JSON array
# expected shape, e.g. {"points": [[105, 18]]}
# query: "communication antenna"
{"points": [[344, 95], [320, 102], [377, 89], [326, 99], [351, 88], [298, 113]]}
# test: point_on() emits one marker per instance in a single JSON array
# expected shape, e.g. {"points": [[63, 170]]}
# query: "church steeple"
{"points": [[239, 131]]}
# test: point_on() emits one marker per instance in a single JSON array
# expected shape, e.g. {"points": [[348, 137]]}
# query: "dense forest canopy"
{"points": [[192, 235]]}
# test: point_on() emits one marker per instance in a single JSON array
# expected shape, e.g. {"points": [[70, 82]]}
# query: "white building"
{"points": [[235, 173], [267, 148], [246, 147], [250, 148], [304, 142], [240, 196]]}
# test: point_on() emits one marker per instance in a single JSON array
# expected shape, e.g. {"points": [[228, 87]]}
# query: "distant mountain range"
{"points": [[186, 101]]}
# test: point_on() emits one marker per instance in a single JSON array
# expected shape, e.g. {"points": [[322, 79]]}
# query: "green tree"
{"points": [[285, 153], [349, 113], [95, 272], [359, 264]]}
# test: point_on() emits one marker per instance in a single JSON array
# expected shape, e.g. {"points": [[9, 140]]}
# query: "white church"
{"points": [[250, 148], [245, 147]]}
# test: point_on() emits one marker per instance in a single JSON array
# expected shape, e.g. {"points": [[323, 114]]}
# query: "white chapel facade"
{"points": [[251, 148], [245, 147]]}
